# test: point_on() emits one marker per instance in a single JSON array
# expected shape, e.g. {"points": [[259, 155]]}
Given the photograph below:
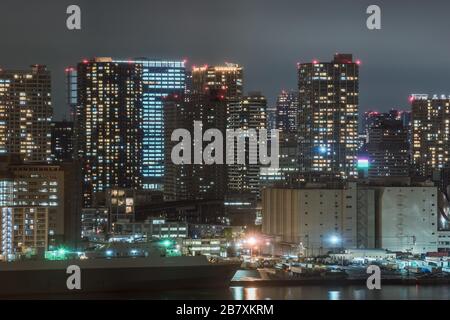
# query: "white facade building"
{"points": [[320, 220], [407, 219]]}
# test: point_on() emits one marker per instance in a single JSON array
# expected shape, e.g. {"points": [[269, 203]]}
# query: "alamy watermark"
{"points": [[236, 143], [373, 22], [73, 21], [74, 280], [374, 281]]}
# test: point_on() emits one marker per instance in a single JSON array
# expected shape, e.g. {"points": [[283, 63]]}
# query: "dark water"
{"points": [[388, 292]]}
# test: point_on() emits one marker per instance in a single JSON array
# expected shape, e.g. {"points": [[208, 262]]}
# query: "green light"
{"points": [[60, 254], [363, 163], [173, 253], [167, 243]]}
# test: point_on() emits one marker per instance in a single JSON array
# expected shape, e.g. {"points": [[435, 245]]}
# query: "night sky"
{"points": [[411, 54]]}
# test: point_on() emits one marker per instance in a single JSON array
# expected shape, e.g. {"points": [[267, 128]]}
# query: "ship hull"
{"points": [[111, 277]]}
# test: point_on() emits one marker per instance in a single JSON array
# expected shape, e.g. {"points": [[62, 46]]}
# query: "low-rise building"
{"points": [[152, 228], [208, 247], [364, 255], [407, 219], [24, 231], [55, 187], [199, 230], [318, 218], [321, 219], [94, 223]]}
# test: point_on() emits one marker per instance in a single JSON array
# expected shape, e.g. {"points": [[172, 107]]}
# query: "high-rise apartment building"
{"points": [[328, 116], [160, 78], [178, 178], [108, 125], [211, 90], [194, 180], [26, 112], [287, 111], [248, 115], [430, 133]]}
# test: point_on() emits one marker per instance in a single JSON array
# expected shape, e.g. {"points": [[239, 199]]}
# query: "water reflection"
{"points": [[241, 293], [237, 293], [388, 292], [359, 295], [334, 295], [251, 294]]}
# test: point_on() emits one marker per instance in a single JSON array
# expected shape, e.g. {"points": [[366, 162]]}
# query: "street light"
{"points": [[252, 241], [334, 239]]}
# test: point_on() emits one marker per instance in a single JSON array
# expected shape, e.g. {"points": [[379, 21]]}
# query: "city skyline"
{"points": [[393, 66], [248, 150]]}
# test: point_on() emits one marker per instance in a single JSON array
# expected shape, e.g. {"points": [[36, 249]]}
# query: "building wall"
{"points": [[365, 218], [393, 218], [407, 219], [320, 219], [444, 241]]}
